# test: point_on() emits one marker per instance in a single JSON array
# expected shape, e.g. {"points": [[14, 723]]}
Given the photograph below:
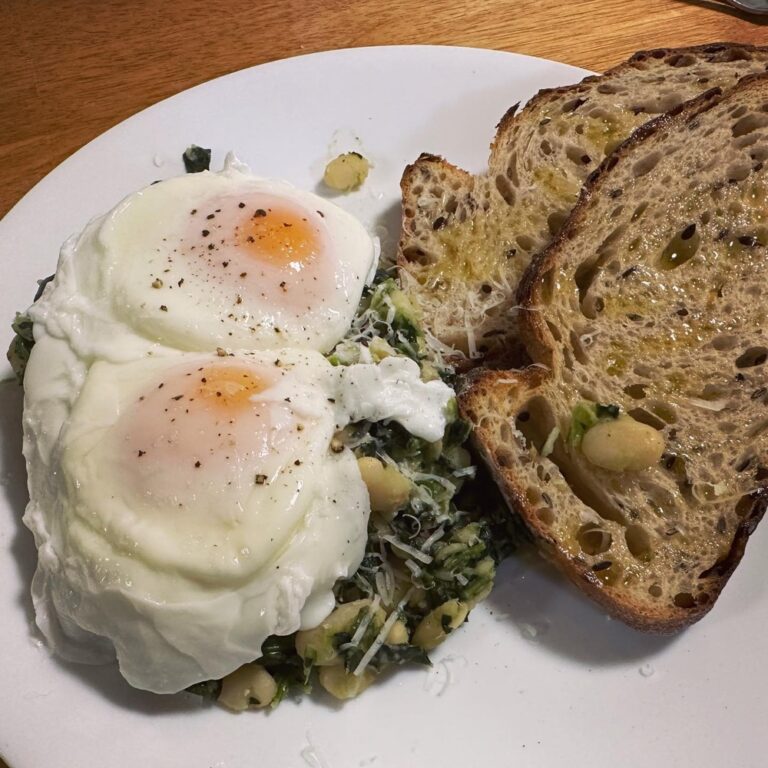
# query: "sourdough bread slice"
{"points": [[651, 299], [466, 240]]}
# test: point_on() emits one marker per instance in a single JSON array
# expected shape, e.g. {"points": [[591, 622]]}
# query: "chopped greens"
{"points": [[585, 415], [23, 341], [387, 323], [208, 689], [607, 411], [280, 659], [21, 345], [196, 159], [390, 655], [443, 544], [367, 626], [41, 286]]}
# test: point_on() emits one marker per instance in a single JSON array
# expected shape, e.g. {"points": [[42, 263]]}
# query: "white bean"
{"points": [[388, 488], [249, 686], [622, 444], [318, 642], [398, 634], [431, 630], [346, 172], [342, 684]]}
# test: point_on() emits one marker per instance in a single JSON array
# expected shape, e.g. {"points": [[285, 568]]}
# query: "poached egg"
{"points": [[185, 496]]}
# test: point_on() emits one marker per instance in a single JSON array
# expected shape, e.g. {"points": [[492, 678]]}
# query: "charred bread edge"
{"points": [[539, 341]]}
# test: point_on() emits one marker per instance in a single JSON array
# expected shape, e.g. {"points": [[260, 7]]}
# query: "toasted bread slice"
{"points": [[466, 240], [649, 299]]}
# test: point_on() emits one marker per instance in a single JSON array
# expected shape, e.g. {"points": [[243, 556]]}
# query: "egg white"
{"points": [[187, 564], [179, 550], [187, 264]]}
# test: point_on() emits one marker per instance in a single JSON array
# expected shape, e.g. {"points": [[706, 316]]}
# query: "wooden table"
{"points": [[73, 68]]}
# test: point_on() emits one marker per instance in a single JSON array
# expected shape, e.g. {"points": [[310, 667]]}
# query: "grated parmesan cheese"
{"points": [[365, 623], [427, 477], [413, 568], [436, 536], [708, 405], [549, 445], [471, 342], [416, 554], [382, 636]]}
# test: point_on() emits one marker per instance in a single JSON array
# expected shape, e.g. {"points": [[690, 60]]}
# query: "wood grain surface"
{"points": [[73, 68]]}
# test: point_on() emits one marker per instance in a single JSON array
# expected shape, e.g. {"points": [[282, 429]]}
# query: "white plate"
{"points": [[539, 677]]}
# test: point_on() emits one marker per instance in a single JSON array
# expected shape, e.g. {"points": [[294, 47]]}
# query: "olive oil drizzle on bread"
{"points": [[466, 240], [650, 299]]}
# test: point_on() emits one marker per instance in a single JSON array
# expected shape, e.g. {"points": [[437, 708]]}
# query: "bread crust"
{"points": [[578, 573], [536, 337], [483, 387], [711, 52], [501, 349]]}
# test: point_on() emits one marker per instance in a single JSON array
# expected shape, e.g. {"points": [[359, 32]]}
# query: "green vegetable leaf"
{"points": [[208, 689], [278, 649], [283, 688], [457, 432], [389, 655], [607, 411], [196, 159], [41, 286], [21, 345], [585, 415]]}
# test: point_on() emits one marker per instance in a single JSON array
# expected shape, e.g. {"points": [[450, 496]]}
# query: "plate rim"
{"points": [[107, 135], [276, 63]]}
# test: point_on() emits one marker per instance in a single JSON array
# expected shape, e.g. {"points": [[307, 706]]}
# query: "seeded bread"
{"points": [[466, 240], [649, 299]]}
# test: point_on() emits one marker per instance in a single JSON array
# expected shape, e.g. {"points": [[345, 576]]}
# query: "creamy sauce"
{"points": [[393, 390]]}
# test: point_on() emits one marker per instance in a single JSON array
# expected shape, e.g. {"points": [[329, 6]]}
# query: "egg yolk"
{"points": [[261, 261], [280, 236], [201, 427], [227, 387]]}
